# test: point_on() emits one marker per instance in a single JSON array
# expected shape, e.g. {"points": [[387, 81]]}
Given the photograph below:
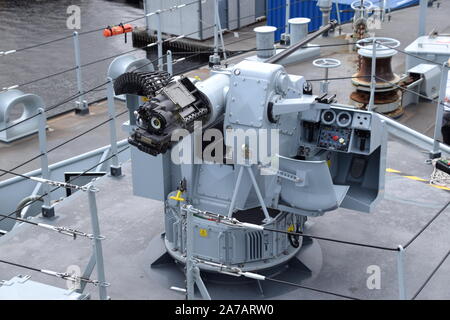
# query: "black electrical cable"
{"points": [[430, 276], [426, 225], [309, 288], [295, 240], [332, 240]]}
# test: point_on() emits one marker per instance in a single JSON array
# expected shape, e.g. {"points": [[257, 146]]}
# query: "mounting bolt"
{"points": [[48, 212], [435, 155], [116, 171], [81, 109]]}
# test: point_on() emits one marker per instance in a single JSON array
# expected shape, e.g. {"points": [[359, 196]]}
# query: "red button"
{"points": [[335, 138]]}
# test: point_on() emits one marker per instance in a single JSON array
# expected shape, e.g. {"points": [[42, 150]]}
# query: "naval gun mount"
{"points": [[320, 156], [248, 145]]}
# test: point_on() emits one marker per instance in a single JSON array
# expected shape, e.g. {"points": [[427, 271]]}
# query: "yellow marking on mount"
{"points": [[440, 187], [178, 196], [418, 179], [203, 233], [291, 228], [415, 178]]}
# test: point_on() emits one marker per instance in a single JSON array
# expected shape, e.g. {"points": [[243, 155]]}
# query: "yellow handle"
{"points": [[178, 196]]}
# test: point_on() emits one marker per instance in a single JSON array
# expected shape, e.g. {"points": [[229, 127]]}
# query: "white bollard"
{"points": [[265, 38], [299, 29]]}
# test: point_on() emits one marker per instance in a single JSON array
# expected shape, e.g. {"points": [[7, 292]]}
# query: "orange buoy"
{"points": [[115, 30]]}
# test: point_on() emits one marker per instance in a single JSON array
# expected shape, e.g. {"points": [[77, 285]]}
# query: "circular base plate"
{"points": [[165, 272]]}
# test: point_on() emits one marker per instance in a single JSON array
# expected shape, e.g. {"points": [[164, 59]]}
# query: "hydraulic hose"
{"points": [[23, 203]]}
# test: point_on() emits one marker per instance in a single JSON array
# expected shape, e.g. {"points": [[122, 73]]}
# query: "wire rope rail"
{"points": [[96, 258], [399, 249], [72, 179], [11, 51], [237, 272], [79, 94], [61, 275], [72, 139], [175, 38]]}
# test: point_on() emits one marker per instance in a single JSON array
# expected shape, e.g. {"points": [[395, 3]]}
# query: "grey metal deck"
{"points": [[130, 223], [60, 129]]}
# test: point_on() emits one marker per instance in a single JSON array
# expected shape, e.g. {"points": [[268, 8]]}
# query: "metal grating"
{"points": [[254, 241]]}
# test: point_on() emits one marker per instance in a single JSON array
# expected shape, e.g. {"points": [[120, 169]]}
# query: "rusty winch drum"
{"points": [[387, 95], [383, 70]]}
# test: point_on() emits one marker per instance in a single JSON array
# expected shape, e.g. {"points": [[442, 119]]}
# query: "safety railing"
{"points": [[116, 148]]}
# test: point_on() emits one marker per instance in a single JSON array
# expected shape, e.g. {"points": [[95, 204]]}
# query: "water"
{"points": [[25, 23]]}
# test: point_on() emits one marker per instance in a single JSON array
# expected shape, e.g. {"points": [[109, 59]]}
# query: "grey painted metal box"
{"points": [[436, 49]]}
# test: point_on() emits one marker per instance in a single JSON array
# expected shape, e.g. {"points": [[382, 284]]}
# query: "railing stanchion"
{"points": [[48, 210], [422, 17], [190, 279], [115, 168], [97, 243], [169, 62], [436, 152], [401, 273], [160, 42], [81, 105], [373, 80]]}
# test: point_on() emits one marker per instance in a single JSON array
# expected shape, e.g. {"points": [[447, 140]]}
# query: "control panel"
{"points": [[353, 143], [339, 129], [334, 138]]}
